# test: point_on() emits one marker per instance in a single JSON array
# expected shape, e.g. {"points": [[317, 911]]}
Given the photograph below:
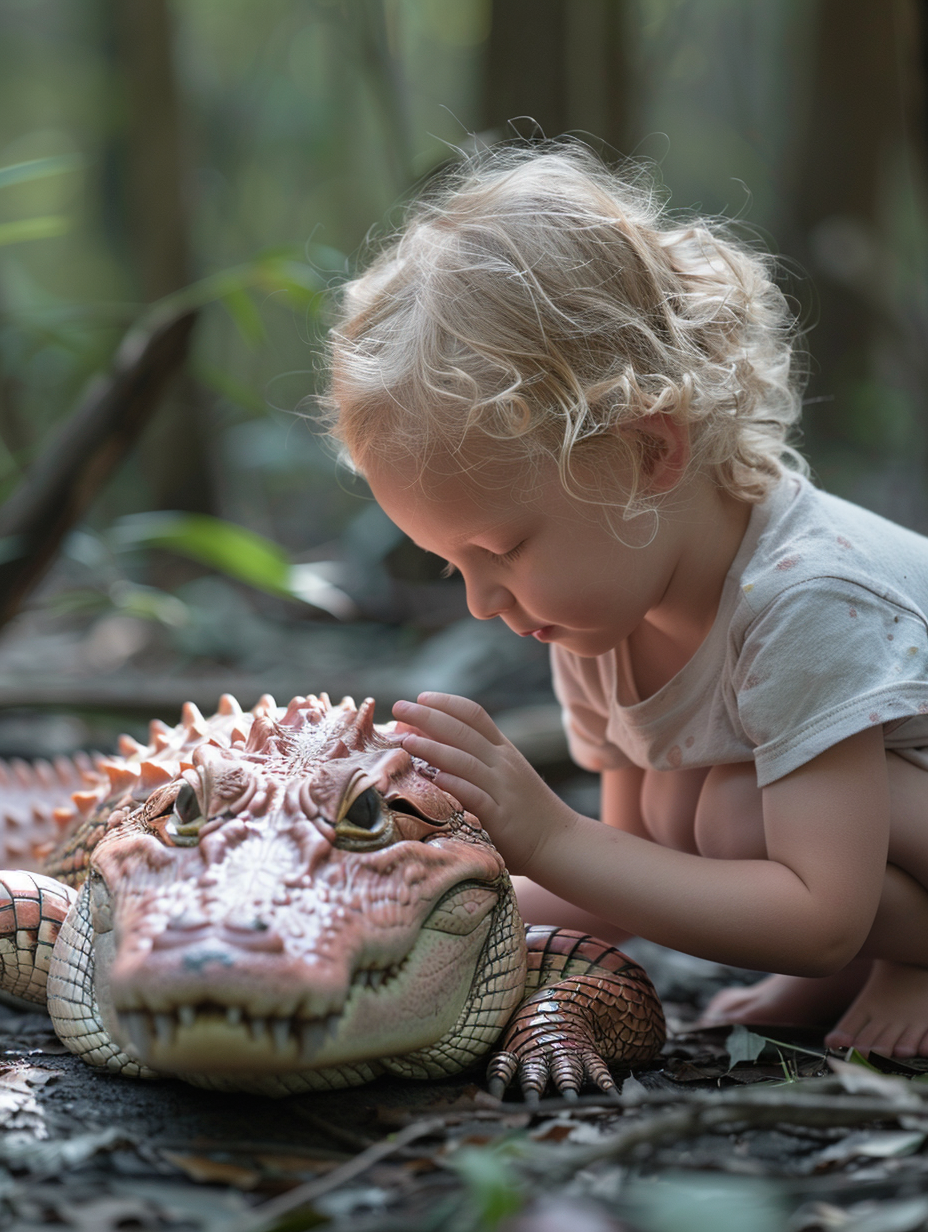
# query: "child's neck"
{"points": [[708, 529]]}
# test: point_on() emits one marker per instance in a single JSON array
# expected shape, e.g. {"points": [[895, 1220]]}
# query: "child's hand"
{"points": [[483, 770]]}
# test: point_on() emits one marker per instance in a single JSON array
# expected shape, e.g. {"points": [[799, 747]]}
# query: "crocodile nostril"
{"points": [[242, 923], [187, 921], [261, 937]]}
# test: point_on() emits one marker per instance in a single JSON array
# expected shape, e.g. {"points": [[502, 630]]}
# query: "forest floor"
{"points": [[726, 1132]]}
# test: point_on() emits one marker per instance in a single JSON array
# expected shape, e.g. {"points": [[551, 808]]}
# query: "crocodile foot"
{"points": [[550, 1040], [588, 1004]]}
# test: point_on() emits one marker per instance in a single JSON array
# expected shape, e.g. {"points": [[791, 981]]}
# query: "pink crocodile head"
{"points": [[295, 893]]}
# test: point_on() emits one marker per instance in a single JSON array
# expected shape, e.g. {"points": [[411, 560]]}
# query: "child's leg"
{"points": [[889, 997], [539, 906], [730, 826], [890, 1014]]}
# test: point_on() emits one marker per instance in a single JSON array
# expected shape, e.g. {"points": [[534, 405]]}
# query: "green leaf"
{"points": [[221, 545], [241, 308], [493, 1185], [857, 1058], [276, 270], [300, 284], [232, 389], [690, 1202], [743, 1045], [33, 229], [150, 603], [39, 168]]}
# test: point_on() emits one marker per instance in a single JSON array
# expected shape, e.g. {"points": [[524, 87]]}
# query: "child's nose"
{"points": [[487, 599]]}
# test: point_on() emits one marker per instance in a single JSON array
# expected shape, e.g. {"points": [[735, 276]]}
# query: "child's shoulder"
{"points": [[801, 536]]}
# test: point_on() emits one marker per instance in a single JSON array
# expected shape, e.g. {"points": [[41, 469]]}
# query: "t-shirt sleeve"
{"points": [[578, 686], [824, 660]]}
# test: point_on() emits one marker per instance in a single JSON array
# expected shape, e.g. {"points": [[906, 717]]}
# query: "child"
{"points": [[582, 405]]}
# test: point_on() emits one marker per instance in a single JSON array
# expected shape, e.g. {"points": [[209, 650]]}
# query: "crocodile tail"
{"points": [[32, 910]]}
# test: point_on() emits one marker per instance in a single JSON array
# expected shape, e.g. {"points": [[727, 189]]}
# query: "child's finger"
{"points": [[449, 759], [468, 796], [441, 726], [466, 711]]}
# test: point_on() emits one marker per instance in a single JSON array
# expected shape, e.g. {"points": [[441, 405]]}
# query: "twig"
{"points": [[706, 1112], [91, 442], [259, 1218], [357, 1142]]}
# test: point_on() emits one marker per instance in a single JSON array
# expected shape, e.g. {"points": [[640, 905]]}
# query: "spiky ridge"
{"points": [[68, 806]]}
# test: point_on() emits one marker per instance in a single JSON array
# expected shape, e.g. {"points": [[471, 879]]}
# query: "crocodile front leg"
{"points": [[588, 1004], [32, 910]]}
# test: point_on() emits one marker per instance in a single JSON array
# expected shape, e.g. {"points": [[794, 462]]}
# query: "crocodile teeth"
{"points": [[312, 1037], [280, 1032], [140, 1030], [187, 1015], [165, 1027], [332, 1023], [234, 1015], [257, 1026], [376, 978]]}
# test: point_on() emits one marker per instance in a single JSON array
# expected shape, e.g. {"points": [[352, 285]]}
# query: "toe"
{"points": [[725, 1006], [839, 1039], [879, 1037], [848, 1031]]}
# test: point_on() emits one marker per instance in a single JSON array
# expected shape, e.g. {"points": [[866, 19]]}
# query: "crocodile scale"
{"points": [[282, 900]]}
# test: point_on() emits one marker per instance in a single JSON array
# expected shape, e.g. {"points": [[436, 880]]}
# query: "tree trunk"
{"points": [[561, 64], [173, 453], [854, 122], [67, 476]]}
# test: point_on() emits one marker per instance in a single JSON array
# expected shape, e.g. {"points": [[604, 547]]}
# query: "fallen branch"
{"points": [[268, 1213], [90, 444], [707, 1112]]}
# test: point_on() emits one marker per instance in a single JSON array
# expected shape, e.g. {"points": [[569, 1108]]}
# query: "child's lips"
{"points": [[544, 634]]}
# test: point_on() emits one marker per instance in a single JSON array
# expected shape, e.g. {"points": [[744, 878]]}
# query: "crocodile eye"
{"points": [[186, 806], [184, 824], [365, 811]]}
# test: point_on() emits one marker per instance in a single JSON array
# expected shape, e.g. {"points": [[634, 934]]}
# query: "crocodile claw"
{"points": [[564, 1062]]}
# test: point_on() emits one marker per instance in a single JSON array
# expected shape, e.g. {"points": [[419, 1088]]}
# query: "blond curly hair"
{"points": [[542, 303]]}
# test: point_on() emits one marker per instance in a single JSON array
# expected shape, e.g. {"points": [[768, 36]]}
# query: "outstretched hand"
{"points": [[484, 770]]}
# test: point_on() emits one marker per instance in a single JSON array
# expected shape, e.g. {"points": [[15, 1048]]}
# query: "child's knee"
{"points": [[730, 815]]}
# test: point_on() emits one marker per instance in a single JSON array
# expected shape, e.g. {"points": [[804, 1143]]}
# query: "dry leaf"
{"points": [[203, 1168]]}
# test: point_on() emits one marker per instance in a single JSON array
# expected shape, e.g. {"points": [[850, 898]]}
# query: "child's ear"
{"points": [[666, 452]]}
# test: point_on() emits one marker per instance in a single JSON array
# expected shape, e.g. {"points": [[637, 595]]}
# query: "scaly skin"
{"points": [[282, 900]]}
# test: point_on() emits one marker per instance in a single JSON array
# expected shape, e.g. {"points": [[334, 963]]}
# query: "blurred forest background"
{"points": [[234, 158]]}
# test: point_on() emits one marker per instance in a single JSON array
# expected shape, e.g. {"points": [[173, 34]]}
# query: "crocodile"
{"points": [[283, 900]]}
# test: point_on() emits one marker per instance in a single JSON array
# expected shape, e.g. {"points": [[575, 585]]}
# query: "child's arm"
{"points": [[806, 910], [620, 800]]}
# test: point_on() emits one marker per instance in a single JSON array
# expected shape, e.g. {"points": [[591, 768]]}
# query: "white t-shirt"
{"points": [[821, 631]]}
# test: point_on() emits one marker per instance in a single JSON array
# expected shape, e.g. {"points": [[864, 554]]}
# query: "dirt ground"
{"points": [[727, 1132]]}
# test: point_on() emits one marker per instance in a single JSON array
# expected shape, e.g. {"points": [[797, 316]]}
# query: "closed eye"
{"points": [[511, 555], [506, 557]]}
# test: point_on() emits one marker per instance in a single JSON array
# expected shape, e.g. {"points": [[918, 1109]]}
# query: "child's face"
{"points": [[532, 554]]}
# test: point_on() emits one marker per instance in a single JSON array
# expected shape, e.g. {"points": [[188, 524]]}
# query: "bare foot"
{"points": [[788, 1000], [889, 1014]]}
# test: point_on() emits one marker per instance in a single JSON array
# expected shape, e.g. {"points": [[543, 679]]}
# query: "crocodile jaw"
{"points": [[412, 1010], [385, 979]]}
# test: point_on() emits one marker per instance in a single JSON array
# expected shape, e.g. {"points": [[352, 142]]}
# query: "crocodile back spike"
{"points": [[36, 805]]}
